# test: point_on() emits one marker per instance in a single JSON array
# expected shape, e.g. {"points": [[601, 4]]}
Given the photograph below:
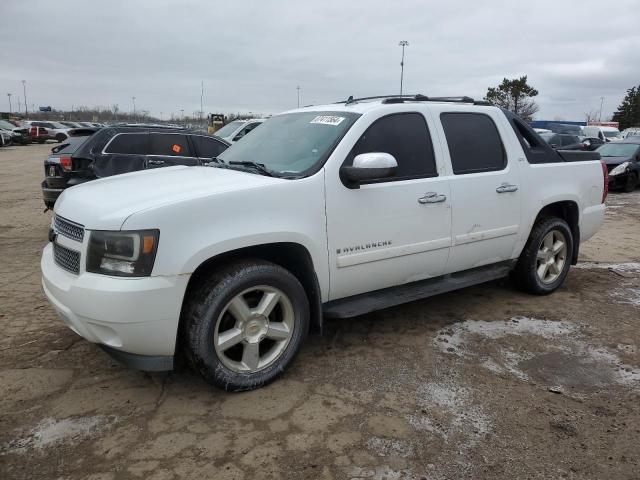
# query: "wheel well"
{"points": [[568, 211], [292, 256]]}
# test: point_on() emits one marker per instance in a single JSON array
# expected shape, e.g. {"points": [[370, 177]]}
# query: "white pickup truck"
{"points": [[323, 211]]}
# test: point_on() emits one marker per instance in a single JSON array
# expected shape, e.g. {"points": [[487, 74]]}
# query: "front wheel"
{"points": [[546, 258], [245, 324]]}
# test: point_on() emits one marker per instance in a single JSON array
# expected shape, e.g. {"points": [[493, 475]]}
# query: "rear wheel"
{"points": [[631, 183], [246, 324], [61, 137], [546, 258]]}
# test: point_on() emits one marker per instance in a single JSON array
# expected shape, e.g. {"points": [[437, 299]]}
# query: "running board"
{"points": [[392, 296]]}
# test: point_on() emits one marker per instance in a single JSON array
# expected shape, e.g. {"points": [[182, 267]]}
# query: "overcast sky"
{"points": [[251, 55]]}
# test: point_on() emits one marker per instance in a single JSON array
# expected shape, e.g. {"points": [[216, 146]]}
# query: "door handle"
{"points": [[432, 197], [506, 188], [156, 162]]}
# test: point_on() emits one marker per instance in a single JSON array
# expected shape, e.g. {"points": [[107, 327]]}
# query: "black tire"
{"points": [[40, 142], [60, 137], [525, 275], [206, 303], [631, 183]]}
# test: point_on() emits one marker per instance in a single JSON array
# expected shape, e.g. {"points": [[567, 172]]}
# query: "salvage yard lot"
{"points": [[482, 383]]}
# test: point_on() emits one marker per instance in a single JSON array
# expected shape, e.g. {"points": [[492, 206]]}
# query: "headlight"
{"points": [[124, 254], [619, 169]]}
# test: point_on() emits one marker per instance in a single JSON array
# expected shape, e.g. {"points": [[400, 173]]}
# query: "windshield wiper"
{"points": [[214, 162], [259, 167]]}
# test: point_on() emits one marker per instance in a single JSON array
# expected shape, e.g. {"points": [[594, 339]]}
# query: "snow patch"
{"points": [[456, 413], [452, 339], [384, 446], [632, 267], [50, 432], [627, 296]]}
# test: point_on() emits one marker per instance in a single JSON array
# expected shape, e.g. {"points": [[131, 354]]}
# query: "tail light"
{"points": [[65, 163], [605, 177]]}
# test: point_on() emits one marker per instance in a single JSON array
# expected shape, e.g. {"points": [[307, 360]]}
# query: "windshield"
{"points": [[229, 128], [6, 125], [611, 133], [617, 150], [292, 143]]}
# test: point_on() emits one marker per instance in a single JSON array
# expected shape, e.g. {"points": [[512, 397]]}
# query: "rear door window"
{"points": [[169, 145], [207, 147], [129, 144], [406, 137], [474, 143]]}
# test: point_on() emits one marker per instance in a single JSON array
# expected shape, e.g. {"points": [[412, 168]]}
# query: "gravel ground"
{"points": [[484, 383]]}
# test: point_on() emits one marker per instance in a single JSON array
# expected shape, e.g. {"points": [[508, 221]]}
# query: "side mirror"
{"points": [[369, 166], [554, 145]]}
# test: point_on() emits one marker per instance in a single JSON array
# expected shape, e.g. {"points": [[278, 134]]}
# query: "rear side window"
{"points": [[70, 145], [174, 145], [474, 143], [129, 143], [406, 137], [207, 147]]}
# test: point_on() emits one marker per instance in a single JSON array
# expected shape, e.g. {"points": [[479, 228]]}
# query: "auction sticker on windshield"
{"points": [[327, 120]]}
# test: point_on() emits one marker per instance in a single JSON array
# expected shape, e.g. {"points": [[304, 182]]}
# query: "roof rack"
{"points": [[416, 98]]}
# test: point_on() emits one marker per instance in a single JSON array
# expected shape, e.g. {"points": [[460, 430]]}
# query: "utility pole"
{"points": [[601, 102], [201, 97], [298, 88], [403, 44], [24, 91], [9, 95], [134, 108], [182, 115]]}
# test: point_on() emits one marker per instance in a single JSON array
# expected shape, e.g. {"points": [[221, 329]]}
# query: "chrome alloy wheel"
{"points": [[551, 257], [254, 329]]}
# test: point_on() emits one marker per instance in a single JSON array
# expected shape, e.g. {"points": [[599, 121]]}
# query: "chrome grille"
{"points": [[66, 258], [69, 229]]}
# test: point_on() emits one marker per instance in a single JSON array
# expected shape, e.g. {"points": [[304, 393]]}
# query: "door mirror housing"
{"points": [[367, 167]]}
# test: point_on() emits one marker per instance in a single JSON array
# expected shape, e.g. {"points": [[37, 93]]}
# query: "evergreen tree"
{"points": [[628, 113], [516, 96]]}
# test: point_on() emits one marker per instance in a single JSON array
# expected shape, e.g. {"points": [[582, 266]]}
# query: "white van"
{"points": [[606, 134]]}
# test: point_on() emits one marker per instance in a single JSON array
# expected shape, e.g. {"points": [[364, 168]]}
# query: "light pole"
{"points": [[403, 44], [24, 91], [298, 88], [601, 102], [9, 95], [134, 107], [182, 115]]}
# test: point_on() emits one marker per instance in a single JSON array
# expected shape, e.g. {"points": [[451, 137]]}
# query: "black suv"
{"points": [[95, 153]]}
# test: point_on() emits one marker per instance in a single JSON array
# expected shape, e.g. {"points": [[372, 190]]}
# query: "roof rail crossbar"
{"points": [[351, 99], [416, 98]]}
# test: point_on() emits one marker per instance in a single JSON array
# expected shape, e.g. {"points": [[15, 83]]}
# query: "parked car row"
{"points": [[37, 131], [89, 154]]}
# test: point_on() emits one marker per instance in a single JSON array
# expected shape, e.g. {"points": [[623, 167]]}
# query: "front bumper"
{"points": [[50, 195], [135, 318], [618, 181]]}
